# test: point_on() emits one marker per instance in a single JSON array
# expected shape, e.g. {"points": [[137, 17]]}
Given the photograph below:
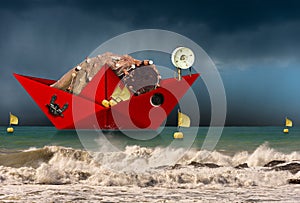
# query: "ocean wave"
{"points": [[145, 167]]}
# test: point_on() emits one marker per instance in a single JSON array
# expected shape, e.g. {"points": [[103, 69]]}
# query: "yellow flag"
{"points": [[183, 120], [13, 119], [288, 122]]}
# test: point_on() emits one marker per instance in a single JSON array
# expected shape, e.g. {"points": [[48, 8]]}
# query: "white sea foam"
{"points": [[141, 166], [263, 155], [30, 149]]}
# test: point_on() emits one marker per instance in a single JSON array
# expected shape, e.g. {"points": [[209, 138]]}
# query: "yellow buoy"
{"points": [[178, 135], [13, 120], [286, 130], [10, 130]]}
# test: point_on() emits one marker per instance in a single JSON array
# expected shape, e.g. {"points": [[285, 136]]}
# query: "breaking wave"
{"points": [[142, 166]]}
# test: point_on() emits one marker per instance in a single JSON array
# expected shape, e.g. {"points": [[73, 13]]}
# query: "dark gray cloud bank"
{"points": [[255, 45]]}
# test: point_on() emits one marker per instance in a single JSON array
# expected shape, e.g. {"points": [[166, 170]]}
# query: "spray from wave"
{"points": [[144, 167]]}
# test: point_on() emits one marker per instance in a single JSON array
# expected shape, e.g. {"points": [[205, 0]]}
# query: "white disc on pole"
{"points": [[183, 57]]}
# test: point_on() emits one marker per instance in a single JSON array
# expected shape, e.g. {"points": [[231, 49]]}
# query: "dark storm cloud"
{"points": [[235, 33], [46, 38], [219, 16]]}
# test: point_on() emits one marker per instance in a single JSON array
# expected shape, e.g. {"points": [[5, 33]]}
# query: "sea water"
{"points": [[41, 164]]}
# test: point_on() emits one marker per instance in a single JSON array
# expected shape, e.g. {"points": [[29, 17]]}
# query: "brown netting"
{"points": [[123, 65]]}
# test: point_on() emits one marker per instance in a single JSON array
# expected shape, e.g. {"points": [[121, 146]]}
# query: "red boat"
{"points": [[86, 111]]}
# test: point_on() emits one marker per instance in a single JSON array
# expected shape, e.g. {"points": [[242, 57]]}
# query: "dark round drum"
{"points": [[142, 79]]}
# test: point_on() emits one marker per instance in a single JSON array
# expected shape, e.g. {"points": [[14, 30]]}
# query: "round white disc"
{"points": [[183, 57]]}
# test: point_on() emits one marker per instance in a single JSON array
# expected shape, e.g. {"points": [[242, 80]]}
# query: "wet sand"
{"points": [[86, 193]]}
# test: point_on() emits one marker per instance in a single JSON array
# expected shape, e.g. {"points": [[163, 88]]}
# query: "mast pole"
{"points": [[9, 119]]}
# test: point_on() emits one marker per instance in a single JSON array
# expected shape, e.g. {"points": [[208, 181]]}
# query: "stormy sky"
{"points": [[254, 44]]}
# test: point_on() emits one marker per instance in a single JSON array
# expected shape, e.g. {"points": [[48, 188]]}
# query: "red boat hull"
{"points": [[85, 111]]}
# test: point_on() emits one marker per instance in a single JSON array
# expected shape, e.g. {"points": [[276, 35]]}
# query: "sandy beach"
{"points": [[87, 193]]}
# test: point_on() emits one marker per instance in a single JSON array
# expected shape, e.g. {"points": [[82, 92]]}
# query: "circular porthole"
{"points": [[157, 99]]}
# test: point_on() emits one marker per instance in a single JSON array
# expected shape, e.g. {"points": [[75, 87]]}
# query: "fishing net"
{"points": [[139, 76]]}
